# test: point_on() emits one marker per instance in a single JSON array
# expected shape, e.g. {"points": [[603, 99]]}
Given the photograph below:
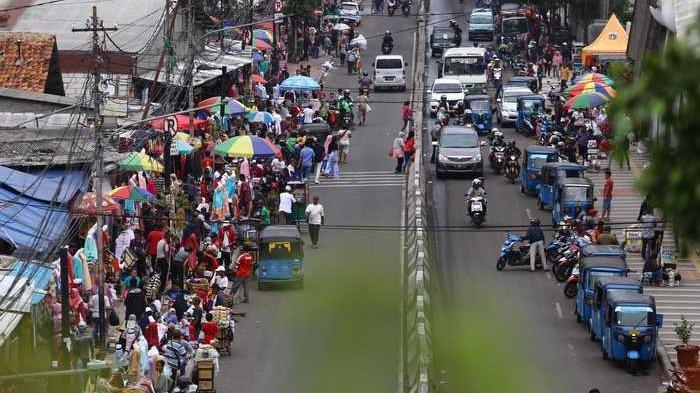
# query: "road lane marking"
{"points": [[557, 307]]}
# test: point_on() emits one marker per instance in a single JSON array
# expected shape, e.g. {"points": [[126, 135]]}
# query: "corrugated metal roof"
{"points": [[8, 323], [40, 275], [19, 296]]}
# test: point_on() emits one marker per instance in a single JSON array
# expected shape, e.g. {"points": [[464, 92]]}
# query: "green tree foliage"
{"points": [[668, 92], [621, 8]]}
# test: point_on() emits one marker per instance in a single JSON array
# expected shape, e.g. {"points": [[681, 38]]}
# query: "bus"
{"points": [[467, 64]]}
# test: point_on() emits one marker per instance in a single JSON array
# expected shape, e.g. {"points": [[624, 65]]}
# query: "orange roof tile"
{"points": [[36, 51]]}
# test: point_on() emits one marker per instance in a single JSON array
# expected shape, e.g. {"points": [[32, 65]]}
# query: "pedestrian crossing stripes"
{"points": [[671, 302], [363, 179]]}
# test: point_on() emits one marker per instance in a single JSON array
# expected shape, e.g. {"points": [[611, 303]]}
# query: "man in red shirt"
{"points": [[607, 195], [244, 271], [152, 240]]}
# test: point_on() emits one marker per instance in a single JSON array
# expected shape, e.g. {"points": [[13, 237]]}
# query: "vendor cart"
{"points": [[300, 191]]}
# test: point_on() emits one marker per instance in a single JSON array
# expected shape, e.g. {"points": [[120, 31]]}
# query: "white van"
{"points": [[389, 71], [468, 64]]}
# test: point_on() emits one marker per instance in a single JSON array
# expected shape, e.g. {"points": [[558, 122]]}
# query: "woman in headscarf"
{"points": [[131, 334], [77, 306]]}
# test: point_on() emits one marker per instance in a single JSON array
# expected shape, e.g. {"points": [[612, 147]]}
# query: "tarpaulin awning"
{"points": [[40, 187], [611, 42]]}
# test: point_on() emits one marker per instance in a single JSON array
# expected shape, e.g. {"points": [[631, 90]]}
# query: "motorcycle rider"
{"points": [[443, 103], [442, 116], [496, 137], [476, 190], [535, 236], [391, 6], [364, 81], [388, 39], [457, 31], [497, 74], [512, 150]]}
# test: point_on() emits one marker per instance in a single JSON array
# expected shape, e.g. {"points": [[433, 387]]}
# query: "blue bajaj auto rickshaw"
{"points": [[631, 328], [479, 112], [529, 109], [603, 250], [534, 158], [590, 268], [573, 196], [280, 256], [602, 288], [551, 176]]}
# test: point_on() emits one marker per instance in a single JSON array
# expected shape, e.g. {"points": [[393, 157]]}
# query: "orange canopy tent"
{"points": [[611, 43]]}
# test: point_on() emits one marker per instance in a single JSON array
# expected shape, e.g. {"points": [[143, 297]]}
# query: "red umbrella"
{"points": [[257, 78], [86, 204], [182, 122], [262, 45]]}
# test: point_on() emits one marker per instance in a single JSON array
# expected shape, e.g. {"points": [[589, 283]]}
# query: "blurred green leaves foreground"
{"points": [[666, 97]]}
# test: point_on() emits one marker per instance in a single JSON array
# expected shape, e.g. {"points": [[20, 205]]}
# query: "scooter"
{"points": [[565, 265], [515, 256], [571, 287], [512, 169], [476, 210], [406, 7], [391, 7], [387, 47], [498, 159]]}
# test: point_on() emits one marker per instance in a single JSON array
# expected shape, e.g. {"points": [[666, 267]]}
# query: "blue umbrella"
{"points": [[235, 107], [261, 34], [300, 83], [260, 117], [183, 147]]}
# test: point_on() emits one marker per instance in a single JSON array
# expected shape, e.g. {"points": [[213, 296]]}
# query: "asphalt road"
{"points": [[341, 333], [511, 330]]}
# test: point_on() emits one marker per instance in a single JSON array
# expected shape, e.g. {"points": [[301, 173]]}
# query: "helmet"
{"points": [[387, 32], [452, 22], [443, 97], [494, 130], [476, 183], [535, 222], [498, 134], [364, 74], [346, 92]]}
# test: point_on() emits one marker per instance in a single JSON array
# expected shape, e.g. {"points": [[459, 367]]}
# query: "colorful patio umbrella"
{"points": [[589, 87], [182, 122], [262, 45], [247, 146], [132, 193], [191, 140], [260, 117], [299, 82], [261, 34], [586, 100], [140, 162], [233, 107], [594, 77], [257, 78], [87, 204]]}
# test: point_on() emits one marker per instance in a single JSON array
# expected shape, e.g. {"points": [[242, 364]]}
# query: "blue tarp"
{"points": [[40, 186], [27, 218], [37, 273]]}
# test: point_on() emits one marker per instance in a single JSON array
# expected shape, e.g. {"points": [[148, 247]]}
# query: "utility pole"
{"points": [[190, 65], [95, 26], [222, 92]]}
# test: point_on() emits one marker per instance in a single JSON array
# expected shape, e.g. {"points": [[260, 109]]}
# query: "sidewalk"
{"points": [[670, 301]]}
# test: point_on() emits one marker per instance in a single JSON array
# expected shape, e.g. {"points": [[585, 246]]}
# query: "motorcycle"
{"points": [[406, 7], [565, 265], [387, 47], [530, 126], [515, 256], [571, 287], [347, 120], [391, 7], [512, 169], [497, 159], [476, 210]]}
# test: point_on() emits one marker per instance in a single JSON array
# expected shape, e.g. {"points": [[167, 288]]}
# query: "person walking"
{"points": [[648, 228], [284, 209], [344, 145], [409, 148], [536, 238], [315, 217], [607, 195], [397, 152], [406, 113], [332, 168], [306, 157], [244, 270]]}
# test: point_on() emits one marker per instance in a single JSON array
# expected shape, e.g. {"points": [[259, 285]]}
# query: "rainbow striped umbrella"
{"points": [[132, 193], [140, 162], [595, 77], [586, 100], [261, 34], [589, 87], [191, 140], [247, 146]]}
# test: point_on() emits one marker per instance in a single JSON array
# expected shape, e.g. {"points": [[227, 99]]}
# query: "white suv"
{"points": [[451, 88], [389, 71]]}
